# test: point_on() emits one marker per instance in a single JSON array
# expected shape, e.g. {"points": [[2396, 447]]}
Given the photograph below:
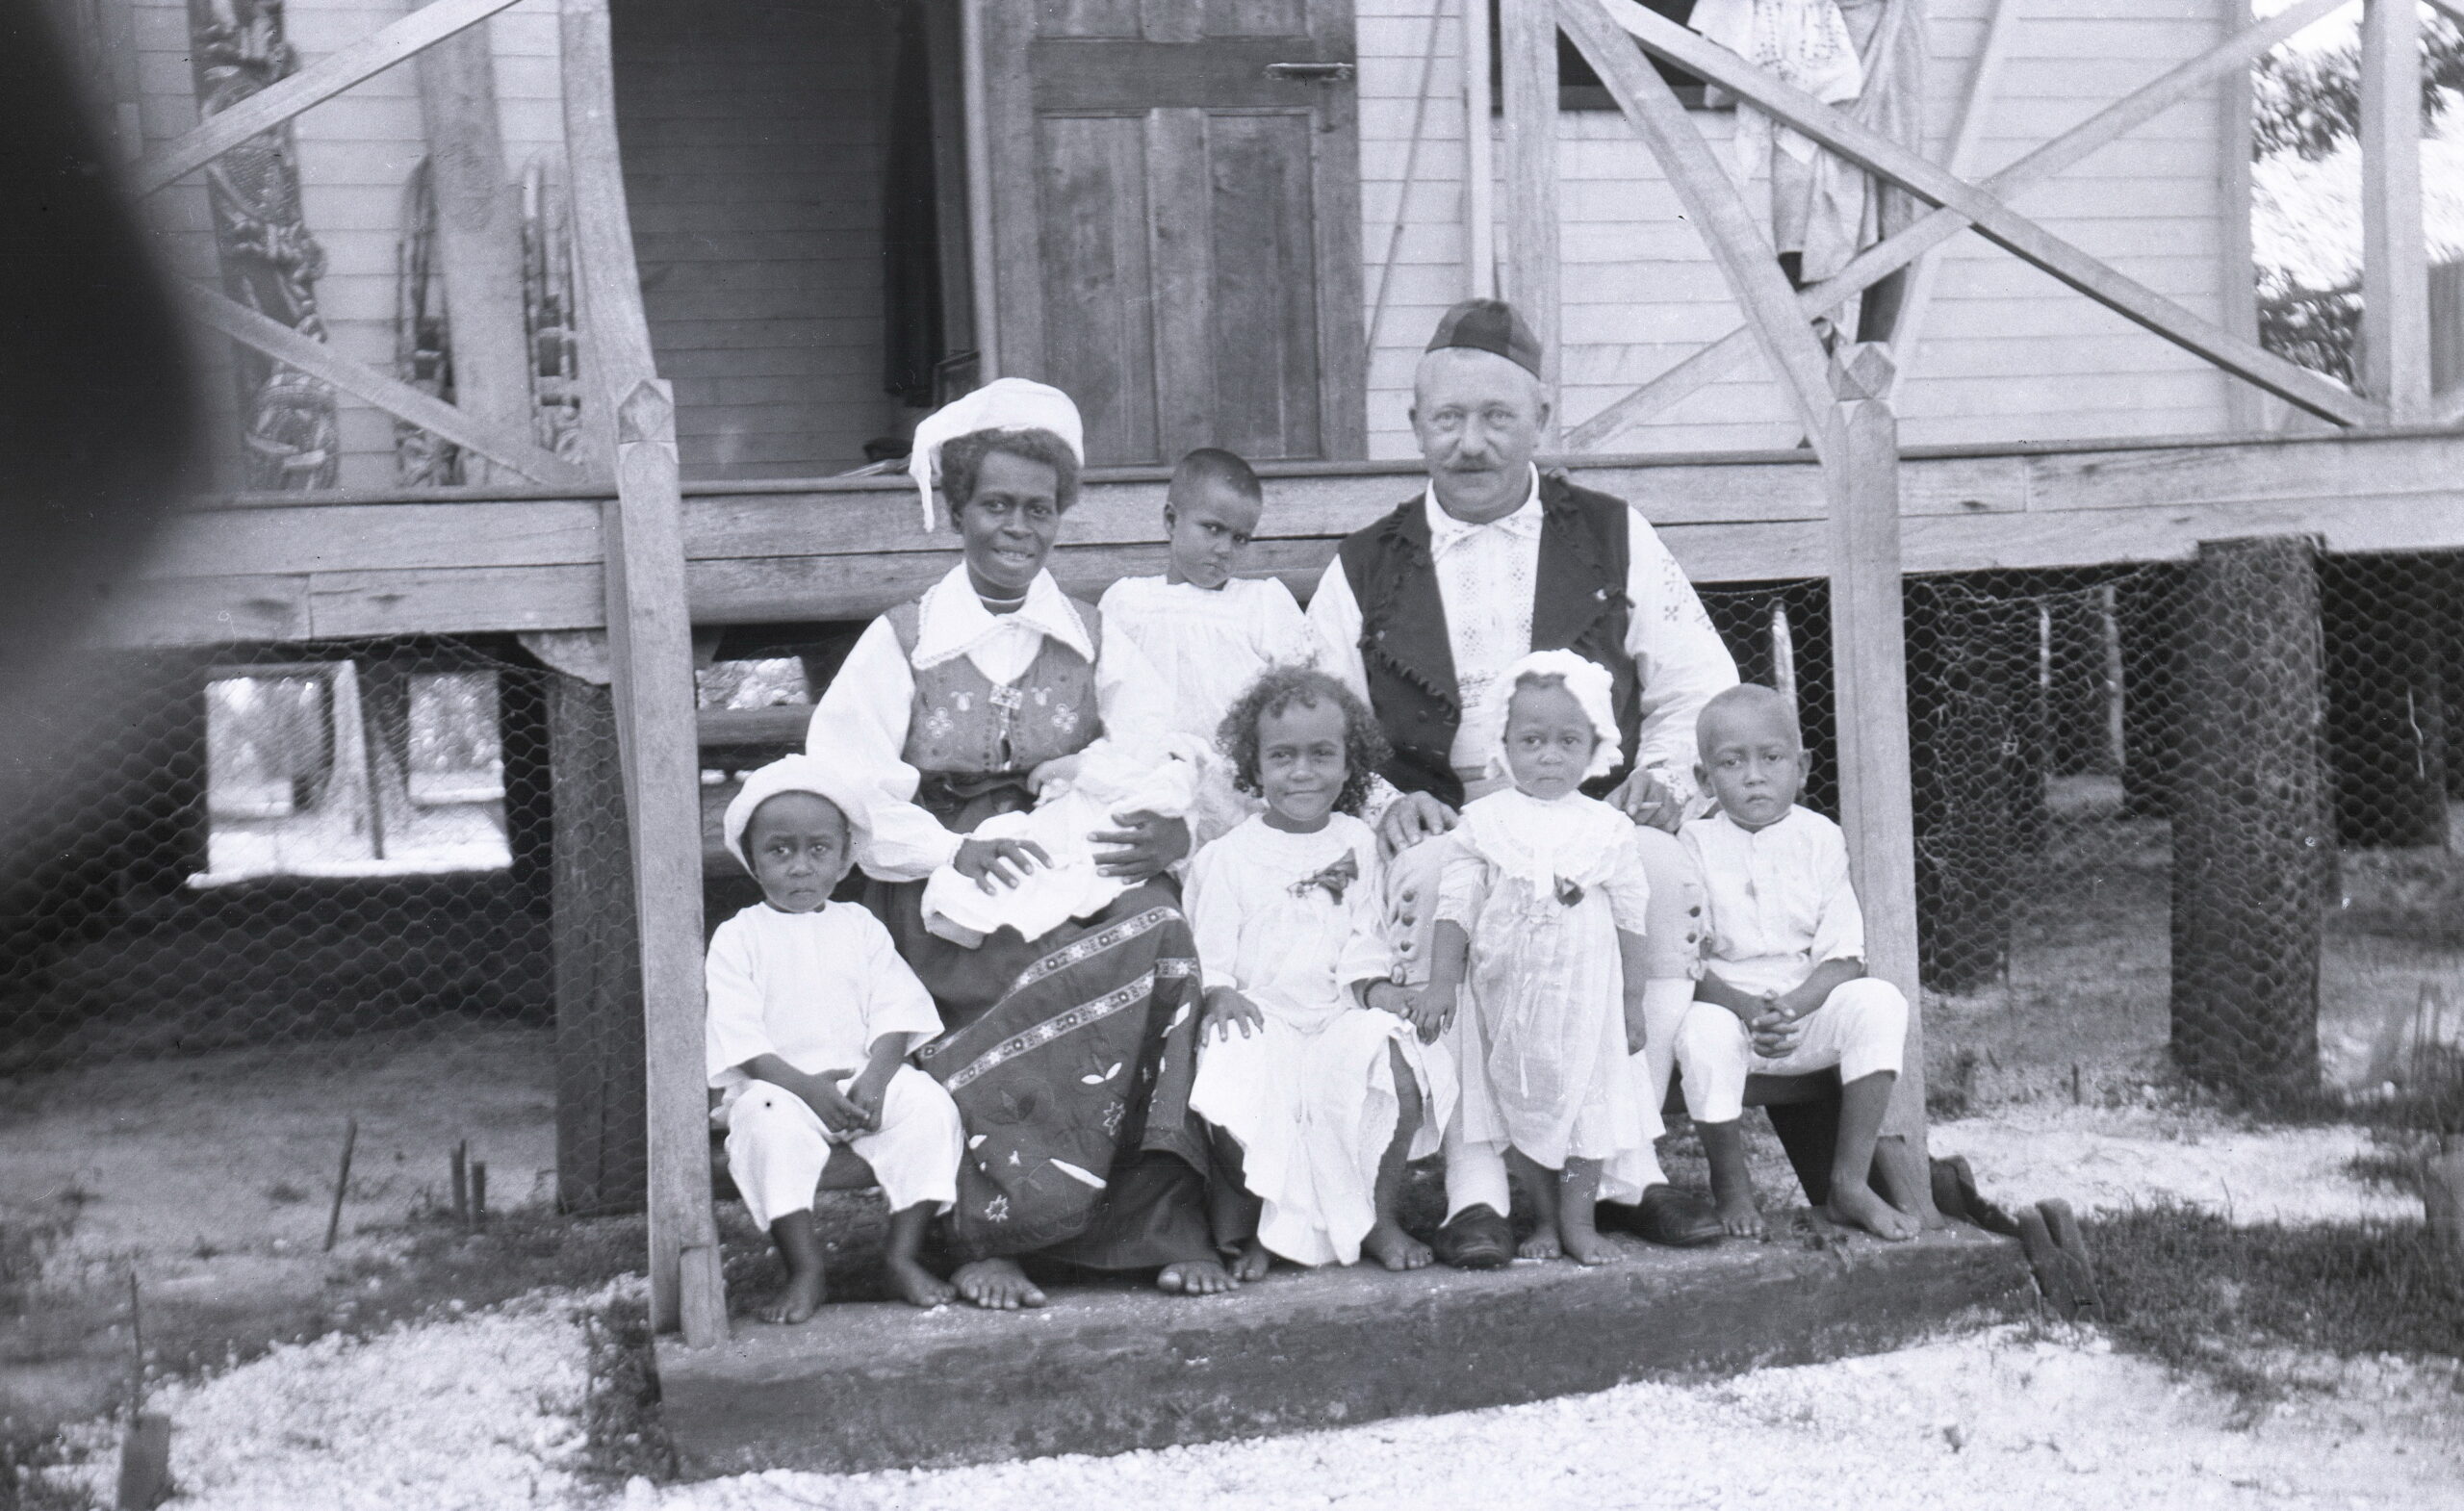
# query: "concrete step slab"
{"points": [[1110, 1367]]}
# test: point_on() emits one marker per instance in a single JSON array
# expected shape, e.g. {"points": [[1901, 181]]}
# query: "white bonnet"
{"points": [[799, 774], [1592, 689], [1007, 403]]}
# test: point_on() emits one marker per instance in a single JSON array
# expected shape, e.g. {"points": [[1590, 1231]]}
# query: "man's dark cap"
{"points": [[1489, 325]]}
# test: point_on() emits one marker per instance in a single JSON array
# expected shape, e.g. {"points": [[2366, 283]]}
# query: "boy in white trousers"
{"points": [[1783, 990], [811, 1015]]}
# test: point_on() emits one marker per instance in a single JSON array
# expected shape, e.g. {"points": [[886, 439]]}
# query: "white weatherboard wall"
{"points": [[2008, 355], [356, 152]]}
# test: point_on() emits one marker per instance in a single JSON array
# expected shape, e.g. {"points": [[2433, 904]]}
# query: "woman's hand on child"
{"points": [[1412, 817], [1226, 1008], [1143, 845], [985, 861]]}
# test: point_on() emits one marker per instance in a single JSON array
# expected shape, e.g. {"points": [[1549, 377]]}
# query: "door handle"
{"points": [[1311, 72]]}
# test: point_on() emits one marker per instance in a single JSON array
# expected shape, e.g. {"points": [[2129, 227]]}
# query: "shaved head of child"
{"points": [[1750, 754], [1210, 512]]}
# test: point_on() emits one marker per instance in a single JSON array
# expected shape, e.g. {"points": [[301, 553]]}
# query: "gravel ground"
{"points": [[1993, 1420], [460, 1414], [483, 1412], [2100, 1159]]}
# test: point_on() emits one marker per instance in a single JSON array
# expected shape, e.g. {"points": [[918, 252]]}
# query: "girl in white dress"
{"points": [[1540, 913], [1309, 1065]]}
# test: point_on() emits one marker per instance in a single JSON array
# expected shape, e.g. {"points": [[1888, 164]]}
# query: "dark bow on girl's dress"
{"points": [[1334, 879]]}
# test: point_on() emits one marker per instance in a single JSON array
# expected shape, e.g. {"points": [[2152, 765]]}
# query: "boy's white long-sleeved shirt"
{"points": [[816, 990], [1209, 644], [1777, 901]]}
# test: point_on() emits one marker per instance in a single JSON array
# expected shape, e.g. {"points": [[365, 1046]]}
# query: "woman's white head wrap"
{"points": [[1003, 405], [1589, 684], [799, 774]]}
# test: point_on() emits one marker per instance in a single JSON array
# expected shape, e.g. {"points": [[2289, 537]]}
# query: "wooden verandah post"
{"points": [[1856, 436], [651, 644]]}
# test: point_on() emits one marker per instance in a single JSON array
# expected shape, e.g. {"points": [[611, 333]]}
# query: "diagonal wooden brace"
{"points": [[1718, 209], [398, 398], [1887, 256], [1966, 204], [314, 85]]}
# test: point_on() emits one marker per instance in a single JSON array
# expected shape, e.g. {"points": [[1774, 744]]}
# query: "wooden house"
{"points": [[564, 319]]}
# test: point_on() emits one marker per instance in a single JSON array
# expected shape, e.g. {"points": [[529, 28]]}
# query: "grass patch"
{"points": [[2185, 1286], [625, 1434]]}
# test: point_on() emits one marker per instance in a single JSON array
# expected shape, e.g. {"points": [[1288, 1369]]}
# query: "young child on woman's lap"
{"points": [[811, 1014], [1540, 914], [1785, 989], [1309, 1060]]}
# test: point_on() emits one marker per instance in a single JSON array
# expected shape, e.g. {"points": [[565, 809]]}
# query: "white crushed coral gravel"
{"points": [[459, 1413], [1995, 1420], [2100, 1159]]}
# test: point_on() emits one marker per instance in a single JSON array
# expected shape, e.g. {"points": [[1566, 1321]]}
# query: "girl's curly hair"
{"points": [[1277, 689], [962, 460]]}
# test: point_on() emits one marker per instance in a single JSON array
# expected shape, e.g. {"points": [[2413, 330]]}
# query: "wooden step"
{"points": [[1110, 1367]]}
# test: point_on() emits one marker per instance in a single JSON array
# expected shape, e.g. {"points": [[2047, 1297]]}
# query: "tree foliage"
{"points": [[2309, 103]]}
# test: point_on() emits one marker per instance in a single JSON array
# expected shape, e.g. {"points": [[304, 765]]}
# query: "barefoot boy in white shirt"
{"points": [[1783, 990], [1209, 633], [811, 1015]]}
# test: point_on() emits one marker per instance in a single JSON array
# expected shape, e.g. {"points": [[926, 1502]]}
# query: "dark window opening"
{"points": [[1578, 86]]}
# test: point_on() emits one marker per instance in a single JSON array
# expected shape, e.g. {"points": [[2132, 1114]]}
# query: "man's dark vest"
{"points": [[1578, 604]]}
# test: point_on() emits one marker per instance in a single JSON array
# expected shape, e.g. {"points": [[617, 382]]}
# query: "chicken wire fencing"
{"points": [[2198, 817], [391, 871]]}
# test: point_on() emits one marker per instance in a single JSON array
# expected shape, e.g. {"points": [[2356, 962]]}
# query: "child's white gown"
{"points": [[1543, 888], [1311, 1098]]}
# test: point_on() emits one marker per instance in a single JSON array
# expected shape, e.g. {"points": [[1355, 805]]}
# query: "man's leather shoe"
{"points": [[1476, 1238], [1675, 1218]]}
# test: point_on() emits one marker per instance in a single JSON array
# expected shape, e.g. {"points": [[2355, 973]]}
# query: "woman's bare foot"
{"points": [[1194, 1277], [1252, 1262], [996, 1285], [917, 1286], [1742, 1219], [1854, 1203], [1396, 1249], [799, 1298]]}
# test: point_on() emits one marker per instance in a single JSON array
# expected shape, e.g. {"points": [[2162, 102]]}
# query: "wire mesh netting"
{"points": [[2194, 815], [2198, 816]]}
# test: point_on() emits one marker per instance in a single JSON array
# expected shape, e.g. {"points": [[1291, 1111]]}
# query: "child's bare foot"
{"points": [[997, 1285], [1582, 1241], [1541, 1245], [1252, 1262], [917, 1286], [1396, 1249], [1854, 1203], [1742, 1219], [799, 1298], [1194, 1277]]}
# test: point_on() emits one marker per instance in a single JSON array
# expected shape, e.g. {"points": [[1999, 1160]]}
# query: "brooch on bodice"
{"points": [[1569, 892]]}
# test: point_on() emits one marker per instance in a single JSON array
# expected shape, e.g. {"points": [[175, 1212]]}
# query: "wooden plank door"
{"points": [[1176, 228]]}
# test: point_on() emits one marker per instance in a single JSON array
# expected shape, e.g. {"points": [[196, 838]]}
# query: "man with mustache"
{"points": [[1419, 613]]}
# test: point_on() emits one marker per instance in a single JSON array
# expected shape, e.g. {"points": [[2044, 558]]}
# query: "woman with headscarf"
{"points": [[1070, 1054]]}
